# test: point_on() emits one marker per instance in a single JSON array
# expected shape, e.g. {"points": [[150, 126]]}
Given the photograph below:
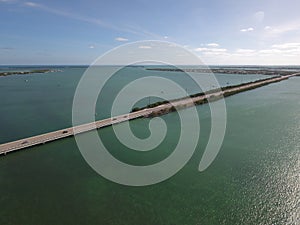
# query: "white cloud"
{"points": [[121, 39], [145, 47], [210, 49], [166, 37], [270, 51], [8, 1], [285, 49], [278, 49], [213, 45], [273, 31], [281, 54], [245, 51], [92, 46], [268, 27], [201, 49], [247, 29], [31, 4], [286, 46]]}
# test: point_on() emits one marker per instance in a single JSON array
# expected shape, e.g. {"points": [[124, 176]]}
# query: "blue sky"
{"points": [[219, 31]]}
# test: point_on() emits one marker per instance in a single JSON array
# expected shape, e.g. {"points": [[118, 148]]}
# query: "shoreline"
{"points": [[269, 72]]}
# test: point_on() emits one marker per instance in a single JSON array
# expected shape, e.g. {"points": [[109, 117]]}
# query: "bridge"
{"points": [[185, 102], [59, 134]]}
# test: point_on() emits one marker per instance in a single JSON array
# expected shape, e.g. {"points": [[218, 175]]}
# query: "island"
{"points": [[262, 71], [28, 72]]}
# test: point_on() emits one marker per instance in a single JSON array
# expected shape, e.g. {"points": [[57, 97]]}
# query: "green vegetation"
{"points": [[135, 109], [25, 72], [212, 98], [152, 105]]}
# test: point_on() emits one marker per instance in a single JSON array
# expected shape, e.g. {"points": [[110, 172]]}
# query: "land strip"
{"points": [[27, 72]]}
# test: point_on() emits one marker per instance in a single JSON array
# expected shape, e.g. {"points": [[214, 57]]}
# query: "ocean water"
{"points": [[253, 180]]}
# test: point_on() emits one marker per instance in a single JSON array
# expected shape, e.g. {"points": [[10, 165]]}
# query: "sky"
{"points": [[225, 32]]}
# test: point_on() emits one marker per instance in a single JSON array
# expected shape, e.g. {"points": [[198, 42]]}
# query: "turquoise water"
{"points": [[254, 179]]}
